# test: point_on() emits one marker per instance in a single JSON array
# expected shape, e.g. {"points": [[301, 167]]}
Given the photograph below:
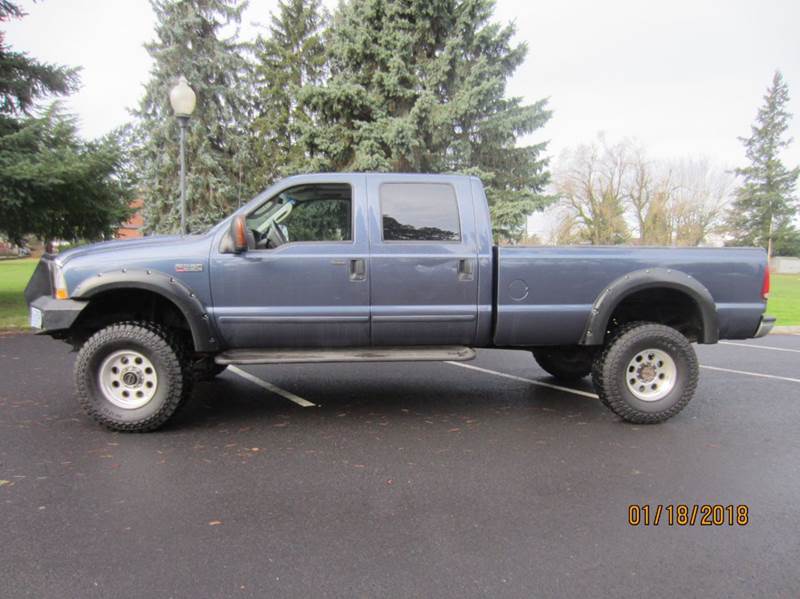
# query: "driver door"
{"points": [[304, 284]]}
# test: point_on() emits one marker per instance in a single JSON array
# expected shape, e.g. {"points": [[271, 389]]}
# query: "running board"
{"points": [[365, 354]]}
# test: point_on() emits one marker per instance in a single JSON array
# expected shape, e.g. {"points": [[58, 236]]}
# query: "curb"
{"points": [[785, 330], [8, 331]]}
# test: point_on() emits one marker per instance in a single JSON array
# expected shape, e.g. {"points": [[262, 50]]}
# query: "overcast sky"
{"points": [[685, 76]]}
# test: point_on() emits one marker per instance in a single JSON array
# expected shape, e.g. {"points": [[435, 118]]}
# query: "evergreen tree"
{"points": [[52, 183], [291, 57], [765, 204], [189, 41], [56, 186], [419, 85], [23, 79]]}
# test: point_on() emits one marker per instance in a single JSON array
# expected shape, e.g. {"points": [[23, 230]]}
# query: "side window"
{"points": [[419, 212], [319, 212]]}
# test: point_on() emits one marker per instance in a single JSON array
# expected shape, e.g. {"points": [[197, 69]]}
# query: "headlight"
{"points": [[59, 283]]}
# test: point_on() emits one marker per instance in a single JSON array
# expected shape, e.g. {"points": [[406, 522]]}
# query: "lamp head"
{"points": [[182, 98]]}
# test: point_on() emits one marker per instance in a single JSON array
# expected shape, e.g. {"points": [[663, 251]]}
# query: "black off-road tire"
{"points": [[566, 364], [164, 350], [610, 370]]}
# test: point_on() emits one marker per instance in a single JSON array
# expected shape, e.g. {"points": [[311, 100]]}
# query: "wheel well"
{"points": [[117, 305], [665, 306]]}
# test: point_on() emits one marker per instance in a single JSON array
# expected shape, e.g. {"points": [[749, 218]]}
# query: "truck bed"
{"points": [[544, 295]]}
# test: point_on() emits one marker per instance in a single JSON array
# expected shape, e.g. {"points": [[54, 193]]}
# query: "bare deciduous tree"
{"points": [[648, 193], [607, 189], [698, 200], [565, 229], [590, 182]]}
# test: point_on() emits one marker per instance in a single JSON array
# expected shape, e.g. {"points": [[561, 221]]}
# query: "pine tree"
{"points": [[52, 183], [56, 186], [23, 79], [189, 41], [419, 86], [765, 204], [291, 57]]}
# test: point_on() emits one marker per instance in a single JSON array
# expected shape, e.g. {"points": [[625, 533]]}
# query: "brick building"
{"points": [[133, 227]]}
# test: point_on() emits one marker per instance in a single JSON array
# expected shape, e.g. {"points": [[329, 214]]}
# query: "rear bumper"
{"points": [[57, 315], [765, 326]]}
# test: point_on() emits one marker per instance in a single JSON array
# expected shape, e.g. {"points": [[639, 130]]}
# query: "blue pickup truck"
{"points": [[385, 267]]}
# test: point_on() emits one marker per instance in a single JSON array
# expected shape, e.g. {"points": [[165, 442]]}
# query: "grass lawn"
{"points": [[14, 275], [784, 299]]}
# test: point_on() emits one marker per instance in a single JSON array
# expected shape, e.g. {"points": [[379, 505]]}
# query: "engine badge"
{"points": [[188, 268]]}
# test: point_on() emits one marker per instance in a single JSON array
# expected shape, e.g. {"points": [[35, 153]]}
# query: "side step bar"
{"points": [[362, 354]]}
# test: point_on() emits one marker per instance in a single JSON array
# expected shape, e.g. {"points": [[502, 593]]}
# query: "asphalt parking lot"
{"points": [[399, 480]]}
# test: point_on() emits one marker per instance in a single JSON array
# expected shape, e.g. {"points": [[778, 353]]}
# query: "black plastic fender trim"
{"points": [[203, 335], [649, 278]]}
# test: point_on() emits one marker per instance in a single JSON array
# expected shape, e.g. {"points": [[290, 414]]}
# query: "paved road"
{"points": [[410, 480]]}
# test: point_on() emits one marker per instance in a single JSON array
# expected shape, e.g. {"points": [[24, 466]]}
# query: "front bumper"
{"points": [[49, 315], [57, 315], [765, 326]]}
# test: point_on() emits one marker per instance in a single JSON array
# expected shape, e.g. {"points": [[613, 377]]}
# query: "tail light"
{"points": [[765, 284]]}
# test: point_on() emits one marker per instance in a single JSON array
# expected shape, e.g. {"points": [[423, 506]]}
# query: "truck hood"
{"points": [[118, 245]]}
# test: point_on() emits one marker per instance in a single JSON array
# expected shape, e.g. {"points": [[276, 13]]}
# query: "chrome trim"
{"points": [[764, 326]]}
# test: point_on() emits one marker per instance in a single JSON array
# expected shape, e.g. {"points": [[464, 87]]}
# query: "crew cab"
{"points": [[356, 267]]}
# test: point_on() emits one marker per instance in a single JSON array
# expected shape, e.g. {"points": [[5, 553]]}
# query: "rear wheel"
{"points": [[132, 376], [567, 364], [647, 373]]}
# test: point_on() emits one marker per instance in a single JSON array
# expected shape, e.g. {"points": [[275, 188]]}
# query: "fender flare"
{"points": [[650, 278], [168, 287]]}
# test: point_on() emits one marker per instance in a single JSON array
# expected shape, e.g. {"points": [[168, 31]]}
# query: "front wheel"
{"points": [[132, 376], [647, 373]]}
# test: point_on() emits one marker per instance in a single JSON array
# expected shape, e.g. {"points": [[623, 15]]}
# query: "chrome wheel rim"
{"points": [[651, 375], [128, 379]]}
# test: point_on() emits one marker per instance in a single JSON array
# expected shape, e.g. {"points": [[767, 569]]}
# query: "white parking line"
{"points": [[758, 374], [524, 380], [270, 387], [772, 347]]}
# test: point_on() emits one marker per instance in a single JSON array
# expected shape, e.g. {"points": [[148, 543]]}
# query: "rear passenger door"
{"points": [[423, 252]]}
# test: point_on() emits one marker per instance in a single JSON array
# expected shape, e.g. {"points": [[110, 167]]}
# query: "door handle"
{"points": [[358, 269], [465, 270]]}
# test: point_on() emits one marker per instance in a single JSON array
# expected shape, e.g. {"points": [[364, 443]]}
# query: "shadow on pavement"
{"points": [[228, 400]]}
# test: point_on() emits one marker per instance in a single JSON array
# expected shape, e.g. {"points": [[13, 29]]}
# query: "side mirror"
{"points": [[239, 234]]}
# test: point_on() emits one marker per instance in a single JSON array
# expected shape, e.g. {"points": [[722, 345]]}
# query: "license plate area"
{"points": [[36, 318]]}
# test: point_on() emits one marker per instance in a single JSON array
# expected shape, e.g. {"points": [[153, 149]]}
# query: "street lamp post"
{"points": [[183, 100]]}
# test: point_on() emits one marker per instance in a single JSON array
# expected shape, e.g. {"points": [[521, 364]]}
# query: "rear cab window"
{"points": [[419, 212]]}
